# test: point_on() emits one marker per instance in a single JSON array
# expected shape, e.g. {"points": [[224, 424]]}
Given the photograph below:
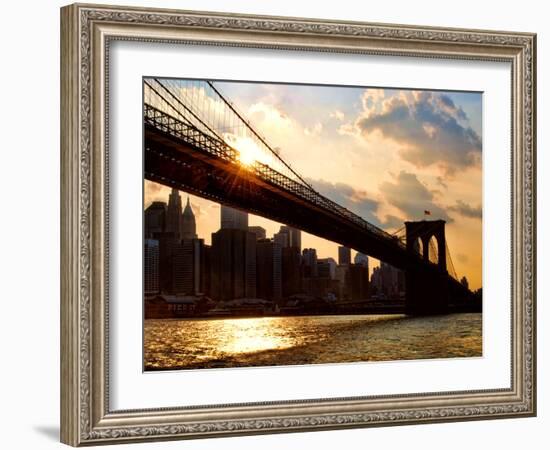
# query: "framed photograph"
{"points": [[280, 224]]}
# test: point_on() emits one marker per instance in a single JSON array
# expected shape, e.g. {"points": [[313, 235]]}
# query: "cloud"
{"points": [[466, 210], [315, 130], [411, 197], [357, 201], [429, 128], [338, 115]]}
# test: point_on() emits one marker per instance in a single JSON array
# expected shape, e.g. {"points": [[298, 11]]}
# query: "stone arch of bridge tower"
{"points": [[425, 230]]}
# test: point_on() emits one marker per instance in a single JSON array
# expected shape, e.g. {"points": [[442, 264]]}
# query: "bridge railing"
{"points": [[220, 149], [188, 133]]}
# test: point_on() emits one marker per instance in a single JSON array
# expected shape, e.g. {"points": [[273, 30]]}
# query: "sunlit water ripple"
{"points": [[267, 341]]}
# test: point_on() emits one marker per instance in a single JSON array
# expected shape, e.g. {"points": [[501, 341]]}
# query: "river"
{"points": [[266, 341]]}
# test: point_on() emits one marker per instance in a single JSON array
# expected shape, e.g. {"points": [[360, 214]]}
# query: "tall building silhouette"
{"points": [[188, 225], [174, 214], [258, 231], [326, 268], [344, 255], [289, 237], [362, 260], [269, 270], [151, 266], [309, 261], [358, 282], [233, 263], [188, 267], [154, 219], [233, 219]]}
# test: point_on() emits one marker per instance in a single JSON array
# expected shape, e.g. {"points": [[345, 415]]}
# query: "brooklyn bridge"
{"points": [[196, 140]]}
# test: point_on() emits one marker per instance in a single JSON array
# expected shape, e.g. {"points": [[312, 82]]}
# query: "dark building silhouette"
{"points": [[154, 219], [269, 270], [188, 224], [233, 264], [344, 255], [388, 280], [188, 266], [167, 245], [291, 271], [361, 259], [258, 231], [289, 237], [309, 262], [357, 282], [233, 219], [151, 266], [174, 214], [326, 268]]}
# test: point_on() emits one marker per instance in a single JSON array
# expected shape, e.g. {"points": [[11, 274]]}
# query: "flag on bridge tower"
{"points": [[427, 213]]}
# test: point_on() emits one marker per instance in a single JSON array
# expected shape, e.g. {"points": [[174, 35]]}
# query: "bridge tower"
{"points": [[427, 286]]}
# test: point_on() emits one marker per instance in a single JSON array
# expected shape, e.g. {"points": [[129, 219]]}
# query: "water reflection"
{"points": [[180, 344], [251, 335]]}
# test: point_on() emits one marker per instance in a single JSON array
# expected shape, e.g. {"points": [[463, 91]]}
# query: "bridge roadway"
{"points": [[179, 155]]}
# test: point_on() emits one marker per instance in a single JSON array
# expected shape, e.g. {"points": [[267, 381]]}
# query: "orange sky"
{"points": [[387, 155]]}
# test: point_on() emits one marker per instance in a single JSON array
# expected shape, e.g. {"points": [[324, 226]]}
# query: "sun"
{"points": [[249, 152]]}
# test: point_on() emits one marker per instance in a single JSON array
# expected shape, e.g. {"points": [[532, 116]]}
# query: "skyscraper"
{"points": [[233, 262], [154, 219], [344, 255], [358, 282], [326, 268], [293, 237], [361, 258], [188, 225], [151, 266], [269, 270], [292, 271], [309, 261], [233, 219], [281, 238], [173, 214], [258, 231], [188, 266]]}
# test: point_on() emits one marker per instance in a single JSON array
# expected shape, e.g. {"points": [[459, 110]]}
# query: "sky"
{"points": [[385, 154]]}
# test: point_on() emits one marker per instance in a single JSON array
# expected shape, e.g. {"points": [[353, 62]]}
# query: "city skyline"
{"points": [[242, 261], [208, 218]]}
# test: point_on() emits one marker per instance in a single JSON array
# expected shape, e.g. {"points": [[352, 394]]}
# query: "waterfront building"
{"points": [[151, 266]]}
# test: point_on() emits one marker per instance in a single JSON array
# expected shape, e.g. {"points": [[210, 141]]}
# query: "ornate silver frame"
{"points": [[86, 32]]}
